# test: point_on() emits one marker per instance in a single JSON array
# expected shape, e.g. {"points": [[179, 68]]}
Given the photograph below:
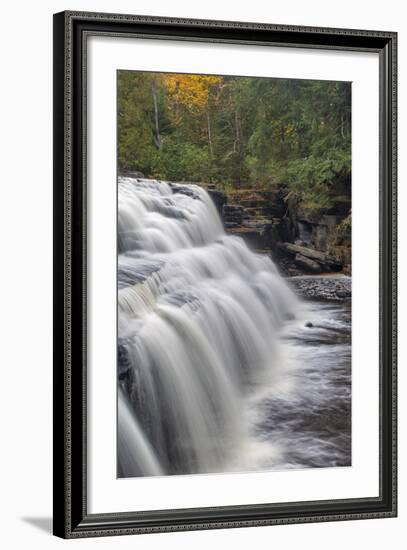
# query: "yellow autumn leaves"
{"points": [[190, 91]]}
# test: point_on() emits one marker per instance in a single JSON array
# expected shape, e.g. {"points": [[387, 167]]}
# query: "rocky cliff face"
{"points": [[328, 233], [299, 241]]}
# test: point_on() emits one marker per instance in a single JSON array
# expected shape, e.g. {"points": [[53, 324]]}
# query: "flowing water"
{"points": [[217, 370]]}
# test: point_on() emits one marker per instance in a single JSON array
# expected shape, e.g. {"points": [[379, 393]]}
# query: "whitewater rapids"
{"points": [[202, 338]]}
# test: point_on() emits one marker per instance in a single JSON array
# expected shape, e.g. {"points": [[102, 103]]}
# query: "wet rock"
{"points": [[330, 288], [294, 249], [252, 236], [123, 362], [307, 263], [342, 294], [124, 375], [219, 198], [183, 190], [308, 324], [232, 215], [308, 258]]}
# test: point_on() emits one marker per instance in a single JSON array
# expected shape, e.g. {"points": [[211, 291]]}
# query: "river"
{"points": [[221, 365]]}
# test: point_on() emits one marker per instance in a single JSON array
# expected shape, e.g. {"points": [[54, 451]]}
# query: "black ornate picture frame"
{"points": [[71, 517]]}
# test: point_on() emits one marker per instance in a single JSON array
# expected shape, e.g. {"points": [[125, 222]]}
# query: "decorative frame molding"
{"points": [[71, 30]]}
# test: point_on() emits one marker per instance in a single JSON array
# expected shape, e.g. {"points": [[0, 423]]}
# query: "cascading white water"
{"points": [[198, 321]]}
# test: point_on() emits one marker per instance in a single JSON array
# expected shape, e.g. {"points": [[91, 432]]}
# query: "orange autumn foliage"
{"points": [[190, 91]]}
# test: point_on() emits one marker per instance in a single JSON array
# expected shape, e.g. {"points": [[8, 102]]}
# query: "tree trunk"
{"points": [[237, 147], [208, 118], [157, 137]]}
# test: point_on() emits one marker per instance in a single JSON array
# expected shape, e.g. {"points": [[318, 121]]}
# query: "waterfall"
{"points": [[198, 320]]}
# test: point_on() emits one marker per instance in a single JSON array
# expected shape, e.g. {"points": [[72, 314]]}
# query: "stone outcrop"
{"points": [[257, 217], [326, 232], [299, 241], [295, 249], [307, 263], [232, 215], [218, 198], [309, 258]]}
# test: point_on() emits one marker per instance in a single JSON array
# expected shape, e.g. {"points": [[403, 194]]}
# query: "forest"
{"points": [[234, 274], [239, 133]]}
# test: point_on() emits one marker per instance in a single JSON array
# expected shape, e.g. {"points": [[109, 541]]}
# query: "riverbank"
{"points": [[299, 241], [333, 288]]}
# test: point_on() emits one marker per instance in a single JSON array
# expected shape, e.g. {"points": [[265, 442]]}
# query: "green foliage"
{"points": [[239, 132], [134, 115], [302, 138], [181, 162]]}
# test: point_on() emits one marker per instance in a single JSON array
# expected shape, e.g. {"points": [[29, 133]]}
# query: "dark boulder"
{"points": [[295, 249], [219, 199], [307, 263]]}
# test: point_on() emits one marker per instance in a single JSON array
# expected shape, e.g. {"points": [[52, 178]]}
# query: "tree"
{"points": [[238, 130]]}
